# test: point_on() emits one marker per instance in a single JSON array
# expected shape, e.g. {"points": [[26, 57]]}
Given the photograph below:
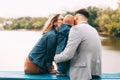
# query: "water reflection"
{"points": [[111, 43], [110, 54]]}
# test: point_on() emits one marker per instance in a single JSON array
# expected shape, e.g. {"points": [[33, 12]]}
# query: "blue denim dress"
{"points": [[43, 52]]}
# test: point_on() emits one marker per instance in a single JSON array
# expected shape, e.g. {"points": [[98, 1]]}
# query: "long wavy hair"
{"points": [[50, 23]]}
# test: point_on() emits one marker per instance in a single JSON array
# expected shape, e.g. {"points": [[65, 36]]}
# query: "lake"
{"points": [[15, 46]]}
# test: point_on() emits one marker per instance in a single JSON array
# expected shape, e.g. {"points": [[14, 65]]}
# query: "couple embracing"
{"points": [[72, 43]]}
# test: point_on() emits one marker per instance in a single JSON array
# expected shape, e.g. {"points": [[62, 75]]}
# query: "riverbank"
{"points": [[104, 33]]}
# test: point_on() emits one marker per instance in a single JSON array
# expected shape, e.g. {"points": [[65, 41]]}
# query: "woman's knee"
{"points": [[30, 67]]}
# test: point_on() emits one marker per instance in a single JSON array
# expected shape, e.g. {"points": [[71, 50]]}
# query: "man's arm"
{"points": [[72, 44]]}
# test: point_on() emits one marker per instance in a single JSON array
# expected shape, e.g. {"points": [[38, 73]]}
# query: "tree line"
{"points": [[26, 23], [106, 21]]}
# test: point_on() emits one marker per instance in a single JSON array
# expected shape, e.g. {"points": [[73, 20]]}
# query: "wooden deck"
{"points": [[19, 75]]}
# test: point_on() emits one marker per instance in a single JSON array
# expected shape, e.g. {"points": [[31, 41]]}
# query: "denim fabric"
{"points": [[62, 38], [43, 52]]}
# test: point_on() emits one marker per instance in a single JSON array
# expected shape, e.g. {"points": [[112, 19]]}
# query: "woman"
{"points": [[40, 58]]}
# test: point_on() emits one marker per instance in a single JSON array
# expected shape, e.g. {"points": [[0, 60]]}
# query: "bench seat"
{"points": [[20, 75]]}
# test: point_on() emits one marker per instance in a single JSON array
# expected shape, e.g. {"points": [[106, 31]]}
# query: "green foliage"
{"points": [[105, 20], [109, 21], [93, 15], [68, 12], [26, 23], [2, 20]]}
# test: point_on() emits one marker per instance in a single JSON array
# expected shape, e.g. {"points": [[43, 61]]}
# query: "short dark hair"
{"points": [[83, 12]]}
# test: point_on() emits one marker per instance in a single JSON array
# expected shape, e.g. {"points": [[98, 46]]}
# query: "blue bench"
{"points": [[20, 75]]}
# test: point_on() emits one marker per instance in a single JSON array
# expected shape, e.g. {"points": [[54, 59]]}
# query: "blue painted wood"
{"points": [[20, 75]]}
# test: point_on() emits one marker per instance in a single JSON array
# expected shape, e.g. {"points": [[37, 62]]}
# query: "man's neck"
{"points": [[82, 21]]}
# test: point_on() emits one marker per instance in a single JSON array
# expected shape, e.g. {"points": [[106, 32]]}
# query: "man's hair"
{"points": [[83, 12]]}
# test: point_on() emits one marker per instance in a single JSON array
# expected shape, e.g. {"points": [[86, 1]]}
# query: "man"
{"points": [[83, 49]]}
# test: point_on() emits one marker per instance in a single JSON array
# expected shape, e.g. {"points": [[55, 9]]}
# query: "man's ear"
{"points": [[76, 17]]}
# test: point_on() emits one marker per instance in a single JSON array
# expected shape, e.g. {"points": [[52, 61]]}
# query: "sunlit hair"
{"points": [[50, 23], [69, 19]]}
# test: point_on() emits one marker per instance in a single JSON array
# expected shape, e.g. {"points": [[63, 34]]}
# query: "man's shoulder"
{"points": [[80, 28], [83, 25], [75, 27]]}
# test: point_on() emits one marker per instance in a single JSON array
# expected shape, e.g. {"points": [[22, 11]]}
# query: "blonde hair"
{"points": [[50, 23], [69, 19]]}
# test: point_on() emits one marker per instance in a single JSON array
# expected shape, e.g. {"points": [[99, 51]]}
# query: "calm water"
{"points": [[15, 46], [111, 54]]}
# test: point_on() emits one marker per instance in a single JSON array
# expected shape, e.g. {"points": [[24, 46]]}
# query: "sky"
{"points": [[37, 8]]}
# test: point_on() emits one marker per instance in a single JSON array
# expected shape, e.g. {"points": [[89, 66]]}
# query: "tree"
{"points": [[27, 23], [109, 20], [93, 15]]}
